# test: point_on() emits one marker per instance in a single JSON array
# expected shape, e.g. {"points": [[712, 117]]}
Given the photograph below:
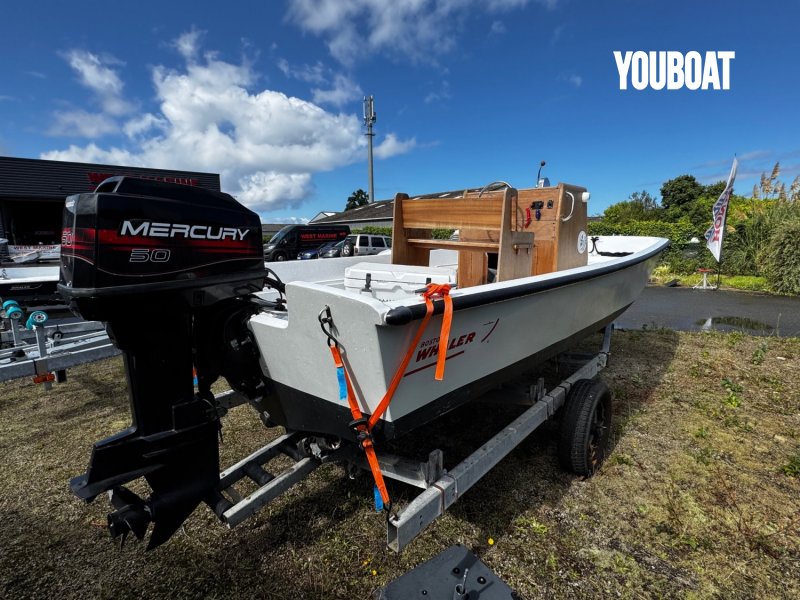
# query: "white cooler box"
{"points": [[391, 282]]}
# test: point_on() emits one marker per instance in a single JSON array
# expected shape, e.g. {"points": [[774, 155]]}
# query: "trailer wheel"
{"points": [[585, 427]]}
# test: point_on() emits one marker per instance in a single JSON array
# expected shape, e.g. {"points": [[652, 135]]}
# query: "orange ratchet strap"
{"points": [[447, 320], [365, 426], [431, 290], [360, 424]]}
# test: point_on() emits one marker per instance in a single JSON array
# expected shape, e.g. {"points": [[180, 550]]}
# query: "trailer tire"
{"points": [[585, 427]]}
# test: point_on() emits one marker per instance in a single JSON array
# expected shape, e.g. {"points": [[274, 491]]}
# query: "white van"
{"points": [[363, 244]]}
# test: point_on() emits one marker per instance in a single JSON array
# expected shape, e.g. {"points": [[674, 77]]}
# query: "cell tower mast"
{"points": [[369, 119]]}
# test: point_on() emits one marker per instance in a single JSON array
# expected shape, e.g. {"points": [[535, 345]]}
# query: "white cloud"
{"points": [[79, 123], [503, 5], [550, 4], [92, 153], [188, 43], [315, 74], [265, 145], [497, 28], [97, 74], [439, 95], [506, 5], [274, 189], [556, 35], [417, 29], [755, 154], [391, 146], [331, 88], [571, 78], [288, 220], [142, 124], [344, 90]]}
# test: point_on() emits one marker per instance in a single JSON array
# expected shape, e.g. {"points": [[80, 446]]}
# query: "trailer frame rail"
{"points": [[430, 504]]}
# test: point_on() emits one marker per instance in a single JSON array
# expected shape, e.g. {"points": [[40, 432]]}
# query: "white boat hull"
{"points": [[33, 283], [498, 330]]}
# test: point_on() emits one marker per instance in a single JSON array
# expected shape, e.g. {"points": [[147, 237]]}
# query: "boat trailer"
{"points": [[44, 352], [440, 487], [200, 310]]}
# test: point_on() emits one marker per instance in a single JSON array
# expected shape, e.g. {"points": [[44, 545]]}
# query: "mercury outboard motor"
{"points": [[168, 268]]}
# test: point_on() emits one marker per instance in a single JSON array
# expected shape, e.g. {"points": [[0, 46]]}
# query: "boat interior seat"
{"points": [[488, 223], [517, 232]]}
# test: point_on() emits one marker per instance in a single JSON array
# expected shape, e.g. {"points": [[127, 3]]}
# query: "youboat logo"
{"points": [[674, 70]]}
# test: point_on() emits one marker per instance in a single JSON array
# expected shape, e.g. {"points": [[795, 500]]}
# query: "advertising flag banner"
{"points": [[716, 232]]}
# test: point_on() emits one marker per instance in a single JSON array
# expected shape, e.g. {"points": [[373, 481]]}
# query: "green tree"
{"points": [[680, 191], [356, 199], [714, 190], [640, 206]]}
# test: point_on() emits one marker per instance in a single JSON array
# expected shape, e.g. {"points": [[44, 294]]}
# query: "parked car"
{"points": [[315, 252], [294, 239], [362, 244], [334, 251]]}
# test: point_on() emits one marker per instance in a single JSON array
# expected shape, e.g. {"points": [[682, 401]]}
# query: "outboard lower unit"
{"points": [[169, 269]]}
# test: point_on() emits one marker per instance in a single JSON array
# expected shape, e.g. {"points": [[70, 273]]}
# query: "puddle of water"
{"points": [[734, 324]]}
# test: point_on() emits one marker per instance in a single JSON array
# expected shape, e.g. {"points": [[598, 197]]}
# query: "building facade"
{"points": [[32, 194]]}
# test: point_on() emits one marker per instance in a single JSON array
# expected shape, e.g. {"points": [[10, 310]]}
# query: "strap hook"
{"points": [[325, 318]]}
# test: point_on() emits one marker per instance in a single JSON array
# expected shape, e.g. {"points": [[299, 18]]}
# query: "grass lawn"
{"points": [[700, 497], [748, 283]]}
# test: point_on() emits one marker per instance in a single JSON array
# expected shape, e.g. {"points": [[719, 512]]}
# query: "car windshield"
{"points": [[281, 234]]}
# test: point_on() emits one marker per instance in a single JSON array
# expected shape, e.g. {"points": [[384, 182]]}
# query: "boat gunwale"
{"points": [[402, 315]]}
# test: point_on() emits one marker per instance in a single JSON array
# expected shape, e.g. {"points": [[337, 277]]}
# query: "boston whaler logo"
{"points": [[674, 70], [429, 349], [171, 230]]}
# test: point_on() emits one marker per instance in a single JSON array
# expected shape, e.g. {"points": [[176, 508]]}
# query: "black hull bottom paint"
{"points": [[298, 411]]}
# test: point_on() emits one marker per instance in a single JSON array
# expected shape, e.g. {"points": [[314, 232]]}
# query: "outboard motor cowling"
{"points": [[168, 268], [135, 237]]}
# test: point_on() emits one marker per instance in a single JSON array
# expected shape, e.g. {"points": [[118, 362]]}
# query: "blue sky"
{"points": [[466, 92]]}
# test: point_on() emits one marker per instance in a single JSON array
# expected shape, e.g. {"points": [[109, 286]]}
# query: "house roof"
{"points": [[381, 210], [377, 211], [271, 228], [321, 215]]}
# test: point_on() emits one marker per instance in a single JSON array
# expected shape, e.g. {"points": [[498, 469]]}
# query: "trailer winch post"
{"points": [[14, 336], [41, 344]]}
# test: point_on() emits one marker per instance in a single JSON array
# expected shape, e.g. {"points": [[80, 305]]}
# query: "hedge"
{"points": [[782, 258], [438, 234], [681, 258], [678, 232]]}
